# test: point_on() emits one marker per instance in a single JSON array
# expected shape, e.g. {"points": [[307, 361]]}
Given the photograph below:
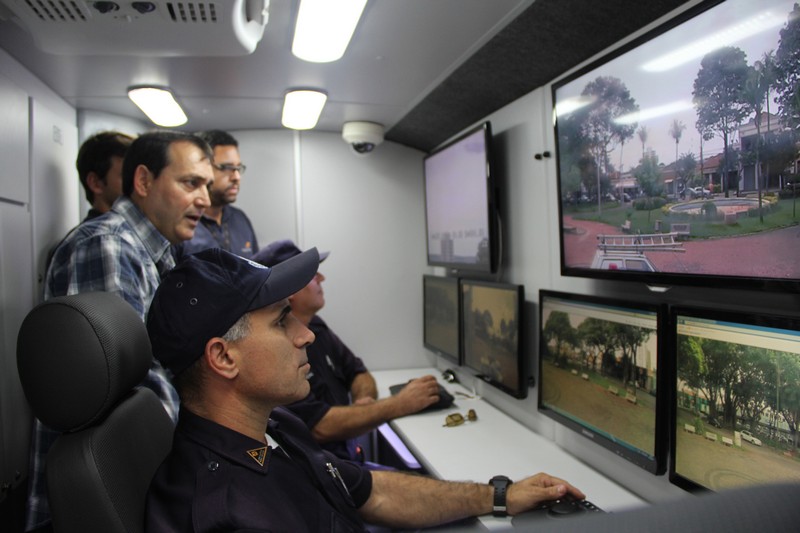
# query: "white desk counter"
{"points": [[494, 444]]}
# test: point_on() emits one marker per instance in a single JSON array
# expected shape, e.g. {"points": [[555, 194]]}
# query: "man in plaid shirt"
{"points": [[126, 251]]}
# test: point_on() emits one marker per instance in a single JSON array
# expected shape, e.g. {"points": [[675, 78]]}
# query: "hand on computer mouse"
{"points": [[530, 492], [417, 394]]}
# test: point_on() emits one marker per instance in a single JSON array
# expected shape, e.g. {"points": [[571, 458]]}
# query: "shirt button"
{"points": [[213, 466]]}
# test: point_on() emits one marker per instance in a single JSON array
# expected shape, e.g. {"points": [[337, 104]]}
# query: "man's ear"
{"points": [[142, 179], [95, 184], [218, 358]]}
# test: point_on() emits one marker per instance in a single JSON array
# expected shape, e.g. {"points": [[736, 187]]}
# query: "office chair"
{"points": [[80, 358]]}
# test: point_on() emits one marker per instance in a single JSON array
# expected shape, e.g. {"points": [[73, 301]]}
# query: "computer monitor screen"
{"points": [[441, 317], [736, 398], [599, 373], [658, 183], [460, 204], [491, 314]]}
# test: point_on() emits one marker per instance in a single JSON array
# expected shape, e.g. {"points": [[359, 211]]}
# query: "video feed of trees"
{"points": [[693, 136]]}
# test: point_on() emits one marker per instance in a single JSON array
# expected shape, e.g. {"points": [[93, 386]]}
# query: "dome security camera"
{"points": [[143, 7], [363, 137], [106, 7]]}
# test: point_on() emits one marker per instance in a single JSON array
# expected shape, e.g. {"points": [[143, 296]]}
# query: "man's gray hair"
{"points": [[239, 330]]}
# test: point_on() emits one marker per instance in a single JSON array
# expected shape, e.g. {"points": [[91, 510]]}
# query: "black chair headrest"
{"points": [[79, 355]]}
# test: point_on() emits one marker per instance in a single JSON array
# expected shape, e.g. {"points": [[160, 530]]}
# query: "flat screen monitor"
{"points": [[736, 398], [660, 178], [600, 372], [460, 204], [440, 331], [491, 314]]}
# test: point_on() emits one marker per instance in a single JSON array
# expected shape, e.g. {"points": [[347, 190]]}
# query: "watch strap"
{"points": [[500, 484]]}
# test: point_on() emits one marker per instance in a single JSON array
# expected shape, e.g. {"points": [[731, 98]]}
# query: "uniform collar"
{"points": [[232, 445]]}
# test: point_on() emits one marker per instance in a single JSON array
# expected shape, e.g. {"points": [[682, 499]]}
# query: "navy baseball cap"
{"points": [[204, 295], [279, 251]]}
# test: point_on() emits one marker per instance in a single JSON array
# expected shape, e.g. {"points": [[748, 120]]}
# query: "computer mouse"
{"points": [[445, 398], [563, 507]]}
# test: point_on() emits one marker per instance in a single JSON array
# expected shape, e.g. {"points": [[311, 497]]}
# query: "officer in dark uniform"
{"points": [[342, 404], [222, 325]]}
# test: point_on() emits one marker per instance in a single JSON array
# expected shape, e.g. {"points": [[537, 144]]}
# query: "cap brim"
{"points": [[287, 278], [323, 256]]}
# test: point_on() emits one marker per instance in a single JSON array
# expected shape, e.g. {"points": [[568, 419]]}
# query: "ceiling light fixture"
{"points": [[158, 104], [301, 108], [324, 28], [725, 37]]}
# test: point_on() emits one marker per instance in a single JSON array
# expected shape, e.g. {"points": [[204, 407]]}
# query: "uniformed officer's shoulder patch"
{"points": [[259, 455]]}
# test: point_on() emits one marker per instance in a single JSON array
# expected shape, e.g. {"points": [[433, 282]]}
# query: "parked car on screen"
{"points": [[699, 192], [749, 437], [610, 260]]}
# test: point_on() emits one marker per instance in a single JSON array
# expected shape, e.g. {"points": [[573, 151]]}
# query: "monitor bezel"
{"points": [[757, 316], [492, 212], [520, 389], [453, 281], [656, 464]]}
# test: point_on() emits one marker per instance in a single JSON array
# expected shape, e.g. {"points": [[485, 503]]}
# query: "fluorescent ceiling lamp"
{"points": [[324, 28], [301, 109], [571, 105], [159, 105], [726, 37], [654, 112]]}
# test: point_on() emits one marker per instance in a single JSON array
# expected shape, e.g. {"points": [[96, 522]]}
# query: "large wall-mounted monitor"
{"points": [[600, 373], [491, 314], [441, 331], [660, 177], [460, 204], [736, 398]]}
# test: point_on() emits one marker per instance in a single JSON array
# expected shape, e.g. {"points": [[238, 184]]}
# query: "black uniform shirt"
{"points": [[333, 368], [216, 479]]}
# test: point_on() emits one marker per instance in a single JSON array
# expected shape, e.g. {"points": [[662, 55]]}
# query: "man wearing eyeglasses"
{"points": [[223, 225]]}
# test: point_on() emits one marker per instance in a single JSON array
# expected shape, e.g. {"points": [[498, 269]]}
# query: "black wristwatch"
{"points": [[500, 484]]}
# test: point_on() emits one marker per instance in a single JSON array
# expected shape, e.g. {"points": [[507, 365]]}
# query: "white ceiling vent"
{"points": [[157, 27]]}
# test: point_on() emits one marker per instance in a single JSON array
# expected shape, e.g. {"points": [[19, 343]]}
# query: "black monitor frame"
{"points": [[762, 321], [450, 283], [654, 463], [519, 388], [487, 210]]}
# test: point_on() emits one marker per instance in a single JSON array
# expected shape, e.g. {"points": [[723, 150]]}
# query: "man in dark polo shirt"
{"points": [[222, 225], [342, 404], [223, 326]]}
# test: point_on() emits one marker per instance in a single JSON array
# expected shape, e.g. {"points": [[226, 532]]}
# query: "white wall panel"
{"points": [[267, 192], [16, 299], [55, 187], [14, 145], [369, 212]]}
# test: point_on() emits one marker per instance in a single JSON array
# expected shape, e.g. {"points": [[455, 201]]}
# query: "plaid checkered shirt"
{"points": [[120, 252]]}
